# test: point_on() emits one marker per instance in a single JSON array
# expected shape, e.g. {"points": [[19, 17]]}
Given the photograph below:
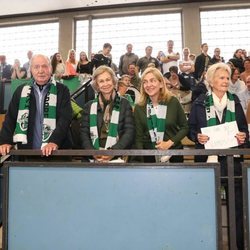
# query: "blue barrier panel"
{"points": [[138, 208]]}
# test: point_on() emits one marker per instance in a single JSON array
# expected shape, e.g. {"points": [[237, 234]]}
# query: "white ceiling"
{"points": [[14, 7]]}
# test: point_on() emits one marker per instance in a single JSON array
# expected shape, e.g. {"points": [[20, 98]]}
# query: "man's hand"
{"points": [[5, 149], [49, 148]]}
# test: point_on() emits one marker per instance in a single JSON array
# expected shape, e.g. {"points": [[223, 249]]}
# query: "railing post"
{"points": [[231, 203]]}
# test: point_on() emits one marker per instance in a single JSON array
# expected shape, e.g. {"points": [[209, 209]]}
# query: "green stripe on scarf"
{"points": [[49, 121], [210, 110], [113, 126], [156, 123]]}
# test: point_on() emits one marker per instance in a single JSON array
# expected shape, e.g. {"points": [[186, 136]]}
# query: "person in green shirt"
{"points": [[159, 118]]}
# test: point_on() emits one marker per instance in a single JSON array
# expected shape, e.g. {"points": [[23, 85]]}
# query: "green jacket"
{"points": [[176, 125]]}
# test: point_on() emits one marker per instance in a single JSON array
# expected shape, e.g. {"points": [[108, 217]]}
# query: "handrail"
{"points": [[134, 152]]}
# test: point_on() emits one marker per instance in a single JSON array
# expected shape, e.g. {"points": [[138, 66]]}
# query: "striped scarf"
{"points": [[49, 120], [156, 123], [210, 109], [113, 125]]}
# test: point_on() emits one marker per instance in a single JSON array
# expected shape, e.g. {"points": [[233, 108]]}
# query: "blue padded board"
{"points": [[70, 208]]}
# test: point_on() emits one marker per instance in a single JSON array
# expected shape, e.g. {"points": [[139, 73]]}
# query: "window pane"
{"points": [[227, 29], [82, 37], [40, 38], [154, 30]]}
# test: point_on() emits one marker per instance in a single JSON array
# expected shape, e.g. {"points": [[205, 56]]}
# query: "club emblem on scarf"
{"points": [[47, 131], [23, 121]]}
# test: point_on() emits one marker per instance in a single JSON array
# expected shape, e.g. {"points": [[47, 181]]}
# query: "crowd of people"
{"points": [[154, 117]]}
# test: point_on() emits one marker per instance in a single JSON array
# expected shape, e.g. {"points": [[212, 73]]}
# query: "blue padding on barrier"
{"points": [[111, 209]]}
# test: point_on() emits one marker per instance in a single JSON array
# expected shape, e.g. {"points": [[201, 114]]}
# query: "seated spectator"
{"points": [[84, 66], [134, 76], [5, 69], [58, 67], [102, 58], [244, 96], [143, 62], [235, 84], [17, 72], [237, 60], [122, 91], [107, 121], [246, 73], [216, 58], [159, 118], [181, 88], [71, 63]]}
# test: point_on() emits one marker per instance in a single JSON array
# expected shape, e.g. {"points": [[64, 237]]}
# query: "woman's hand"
{"points": [[164, 144], [103, 158], [241, 137], [202, 139]]}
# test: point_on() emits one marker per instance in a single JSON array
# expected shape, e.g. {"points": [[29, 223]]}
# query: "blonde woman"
{"points": [[159, 118], [71, 63], [107, 120]]}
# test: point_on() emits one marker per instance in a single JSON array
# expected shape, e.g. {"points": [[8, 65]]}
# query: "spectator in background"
{"points": [[237, 60], [126, 59], [71, 63], [201, 63], [244, 96], [58, 67], [103, 57], [5, 69], [84, 66], [246, 73], [28, 123], [27, 64], [134, 77], [186, 66], [244, 54], [235, 84], [17, 72], [192, 57], [216, 58], [170, 59], [143, 62]]}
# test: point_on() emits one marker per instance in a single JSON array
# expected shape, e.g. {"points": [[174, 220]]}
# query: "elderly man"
{"points": [[39, 114]]}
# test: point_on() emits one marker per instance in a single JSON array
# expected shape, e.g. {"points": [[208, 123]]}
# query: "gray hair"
{"points": [[100, 70], [212, 70]]}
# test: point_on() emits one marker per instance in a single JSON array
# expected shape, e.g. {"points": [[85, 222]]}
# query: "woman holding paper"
{"points": [[159, 117], [107, 120], [216, 107]]}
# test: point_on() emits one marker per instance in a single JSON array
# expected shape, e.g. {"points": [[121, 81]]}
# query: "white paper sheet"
{"points": [[221, 136]]}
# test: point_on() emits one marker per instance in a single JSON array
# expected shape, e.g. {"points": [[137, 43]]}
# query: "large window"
{"points": [[40, 38], [227, 29], [154, 30], [82, 32]]}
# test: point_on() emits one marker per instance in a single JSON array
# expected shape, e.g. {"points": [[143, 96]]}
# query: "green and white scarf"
{"points": [[156, 123], [210, 109], [49, 121], [113, 126]]}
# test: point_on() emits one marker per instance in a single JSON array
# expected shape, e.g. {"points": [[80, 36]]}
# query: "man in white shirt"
{"points": [[170, 59]]}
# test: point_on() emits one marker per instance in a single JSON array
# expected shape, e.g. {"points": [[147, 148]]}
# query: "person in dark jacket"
{"points": [[108, 121], [237, 60], [216, 107], [39, 114]]}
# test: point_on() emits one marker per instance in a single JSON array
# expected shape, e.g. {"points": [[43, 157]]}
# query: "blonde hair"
{"points": [[164, 95], [213, 69], [100, 70]]}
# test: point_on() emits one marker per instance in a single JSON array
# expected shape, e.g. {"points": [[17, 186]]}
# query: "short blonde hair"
{"points": [[100, 70], [165, 94], [213, 69]]}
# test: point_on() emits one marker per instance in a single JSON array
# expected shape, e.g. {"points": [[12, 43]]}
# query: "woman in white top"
{"points": [[236, 85]]}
